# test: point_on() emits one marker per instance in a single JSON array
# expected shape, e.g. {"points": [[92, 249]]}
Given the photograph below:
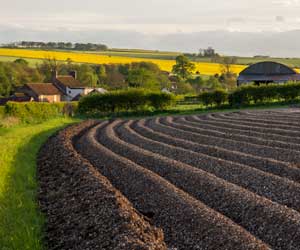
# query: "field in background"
{"points": [[292, 62], [165, 60], [92, 58]]}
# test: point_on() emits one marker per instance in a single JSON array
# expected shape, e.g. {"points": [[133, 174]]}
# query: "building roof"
{"points": [[268, 69], [70, 81], [268, 72], [15, 98], [43, 88]]}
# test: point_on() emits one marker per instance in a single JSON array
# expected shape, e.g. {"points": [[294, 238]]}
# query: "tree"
{"points": [[183, 67], [214, 83], [102, 75], [142, 78], [21, 61], [226, 65], [5, 85]]}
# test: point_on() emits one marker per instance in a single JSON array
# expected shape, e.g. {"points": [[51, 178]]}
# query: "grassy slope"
{"points": [[20, 221]]}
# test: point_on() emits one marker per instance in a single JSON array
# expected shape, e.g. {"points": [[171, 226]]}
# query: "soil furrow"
{"points": [[160, 133], [214, 192], [187, 223], [194, 134], [280, 190], [234, 127], [233, 133], [84, 211], [272, 124]]}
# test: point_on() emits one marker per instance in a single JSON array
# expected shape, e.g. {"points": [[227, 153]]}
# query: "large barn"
{"points": [[267, 72]]}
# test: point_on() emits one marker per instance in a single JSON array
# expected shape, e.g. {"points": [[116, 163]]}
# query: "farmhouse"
{"points": [[40, 92], [69, 86], [267, 72]]}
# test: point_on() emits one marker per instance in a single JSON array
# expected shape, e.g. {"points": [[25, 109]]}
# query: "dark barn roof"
{"points": [[268, 72]]}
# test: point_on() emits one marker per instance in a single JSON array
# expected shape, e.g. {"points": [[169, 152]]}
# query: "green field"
{"points": [[32, 62], [20, 220], [292, 62]]}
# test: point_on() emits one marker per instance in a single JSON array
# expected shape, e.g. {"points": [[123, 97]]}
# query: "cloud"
{"points": [[280, 19], [286, 3]]}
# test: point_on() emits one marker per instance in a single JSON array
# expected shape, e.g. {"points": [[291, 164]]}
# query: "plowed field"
{"points": [[215, 181]]}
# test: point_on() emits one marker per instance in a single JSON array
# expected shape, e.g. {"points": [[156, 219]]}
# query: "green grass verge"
{"points": [[20, 220]]}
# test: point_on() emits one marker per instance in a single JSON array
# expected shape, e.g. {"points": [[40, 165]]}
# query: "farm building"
{"points": [[94, 91], [267, 72], [41, 92], [70, 86]]}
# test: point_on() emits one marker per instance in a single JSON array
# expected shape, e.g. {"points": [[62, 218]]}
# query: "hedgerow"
{"points": [[251, 94], [31, 112], [217, 97], [246, 95], [2, 111], [125, 101]]}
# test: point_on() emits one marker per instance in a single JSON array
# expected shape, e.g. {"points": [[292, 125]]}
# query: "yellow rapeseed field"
{"points": [[202, 67]]}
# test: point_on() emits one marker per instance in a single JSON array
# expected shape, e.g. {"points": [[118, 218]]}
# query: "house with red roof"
{"points": [[41, 92], [70, 86]]}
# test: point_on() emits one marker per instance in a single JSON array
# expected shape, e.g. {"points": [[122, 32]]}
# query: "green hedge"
{"points": [[217, 97], [249, 94], [2, 111], [31, 112], [125, 101], [252, 94]]}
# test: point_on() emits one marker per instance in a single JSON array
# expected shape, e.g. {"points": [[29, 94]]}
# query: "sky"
{"points": [[33, 19]]}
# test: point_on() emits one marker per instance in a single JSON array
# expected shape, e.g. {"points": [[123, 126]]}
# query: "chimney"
{"points": [[73, 73]]}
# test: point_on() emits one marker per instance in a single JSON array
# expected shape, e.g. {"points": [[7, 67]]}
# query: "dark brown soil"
{"points": [[226, 181]]}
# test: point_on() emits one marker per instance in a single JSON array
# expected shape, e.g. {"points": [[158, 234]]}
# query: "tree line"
{"points": [[182, 80], [58, 45], [111, 76]]}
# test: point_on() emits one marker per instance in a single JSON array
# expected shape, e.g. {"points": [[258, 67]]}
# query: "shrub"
{"points": [[160, 101], [9, 121], [246, 95], [125, 100], [31, 112], [217, 97], [2, 112]]}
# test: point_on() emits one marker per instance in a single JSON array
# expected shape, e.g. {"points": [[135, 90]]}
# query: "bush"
{"points": [[125, 100], [2, 112], [32, 112], [160, 101], [217, 97], [246, 95], [9, 121]]}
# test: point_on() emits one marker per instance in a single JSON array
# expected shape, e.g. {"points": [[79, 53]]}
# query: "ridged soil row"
{"points": [[260, 120], [236, 134], [178, 139], [280, 190], [232, 201], [271, 123], [234, 127], [187, 223], [245, 121], [83, 209], [285, 116], [195, 134], [207, 129]]}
